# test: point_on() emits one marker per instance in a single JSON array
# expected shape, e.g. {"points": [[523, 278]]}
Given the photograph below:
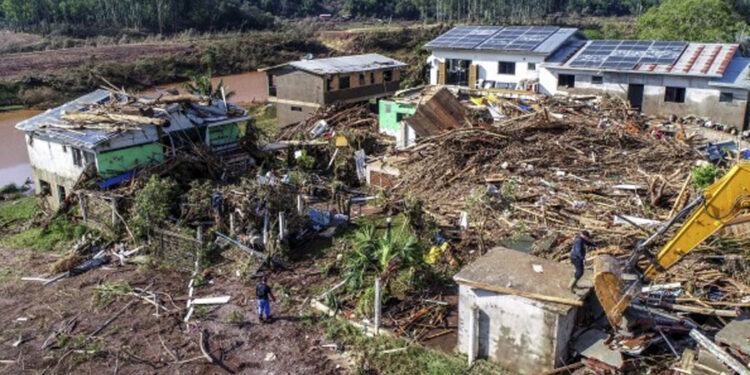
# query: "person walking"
{"points": [[263, 293], [578, 255]]}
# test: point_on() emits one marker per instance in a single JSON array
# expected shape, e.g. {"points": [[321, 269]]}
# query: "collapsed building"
{"points": [[300, 88], [112, 136], [663, 78]]}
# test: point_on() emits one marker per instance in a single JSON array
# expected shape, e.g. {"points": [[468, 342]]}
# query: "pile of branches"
{"points": [[539, 174], [357, 118]]}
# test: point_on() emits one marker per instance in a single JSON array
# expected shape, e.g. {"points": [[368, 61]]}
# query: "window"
{"points": [[329, 84], [597, 80], [45, 188], [387, 108], [566, 80], [77, 160], [674, 94], [89, 157], [505, 67], [61, 193], [361, 79], [296, 109], [726, 97], [532, 67], [388, 75], [372, 78], [65, 148], [343, 82]]}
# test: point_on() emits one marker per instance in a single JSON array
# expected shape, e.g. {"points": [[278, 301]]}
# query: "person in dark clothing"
{"points": [[578, 255], [263, 292]]}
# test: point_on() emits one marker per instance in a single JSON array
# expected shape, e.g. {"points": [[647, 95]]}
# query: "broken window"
{"points": [[726, 97], [77, 160], [329, 84], [532, 67], [45, 188], [89, 157], [362, 79], [506, 67], [61, 193], [344, 82], [597, 80], [296, 109], [674, 94], [566, 80], [388, 75]]}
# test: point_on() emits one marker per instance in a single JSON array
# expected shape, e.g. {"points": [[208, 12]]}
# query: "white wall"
{"points": [[701, 99], [487, 63], [50, 157], [525, 336]]}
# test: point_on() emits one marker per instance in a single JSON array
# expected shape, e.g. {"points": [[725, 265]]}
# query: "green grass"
{"points": [[21, 209], [415, 360], [57, 236], [265, 119], [6, 273]]}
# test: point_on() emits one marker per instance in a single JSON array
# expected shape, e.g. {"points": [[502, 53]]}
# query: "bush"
{"points": [[153, 203], [705, 175]]}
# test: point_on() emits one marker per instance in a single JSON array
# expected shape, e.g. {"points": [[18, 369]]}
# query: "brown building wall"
{"points": [[300, 86], [285, 115]]}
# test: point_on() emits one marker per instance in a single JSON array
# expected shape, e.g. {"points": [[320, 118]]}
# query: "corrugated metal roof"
{"points": [[179, 119], [347, 64]]}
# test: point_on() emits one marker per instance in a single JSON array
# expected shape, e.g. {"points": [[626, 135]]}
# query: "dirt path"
{"points": [[15, 65], [289, 345]]}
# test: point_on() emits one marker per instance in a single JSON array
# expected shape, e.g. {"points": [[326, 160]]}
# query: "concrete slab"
{"points": [[524, 274], [592, 344], [736, 335]]}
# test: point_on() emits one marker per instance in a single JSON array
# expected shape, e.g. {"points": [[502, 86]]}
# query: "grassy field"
{"points": [[57, 235]]}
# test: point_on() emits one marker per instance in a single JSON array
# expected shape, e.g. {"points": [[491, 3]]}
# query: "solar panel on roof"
{"points": [[464, 37], [626, 54], [518, 38]]}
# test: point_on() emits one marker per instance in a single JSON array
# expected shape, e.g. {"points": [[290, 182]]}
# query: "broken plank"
{"points": [[716, 350], [211, 300], [540, 297]]}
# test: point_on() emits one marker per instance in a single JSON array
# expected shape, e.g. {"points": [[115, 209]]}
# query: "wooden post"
{"points": [[84, 207], [300, 205], [113, 205], [378, 307], [282, 226], [231, 224], [265, 228], [199, 234]]}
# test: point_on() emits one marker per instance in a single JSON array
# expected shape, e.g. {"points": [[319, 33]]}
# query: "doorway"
{"points": [[457, 72], [635, 96], [483, 349]]}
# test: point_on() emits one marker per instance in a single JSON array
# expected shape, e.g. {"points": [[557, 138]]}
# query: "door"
{"points": [[441, 73], [635, 96], [483, 350], [473, 70]]}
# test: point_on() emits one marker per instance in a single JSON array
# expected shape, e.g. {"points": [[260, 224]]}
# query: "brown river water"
{"points": [[14, 159]]}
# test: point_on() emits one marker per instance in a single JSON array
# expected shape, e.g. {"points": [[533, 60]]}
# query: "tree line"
{"points": [[94, 17]]}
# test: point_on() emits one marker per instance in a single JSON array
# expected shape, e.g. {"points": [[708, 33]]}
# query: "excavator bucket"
{"points": [[608, 285]]}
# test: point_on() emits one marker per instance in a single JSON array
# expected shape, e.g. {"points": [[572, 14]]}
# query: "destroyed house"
{"points": [[497, 57], [660, 78], [299, 88], [515, 309], [99, 132]]}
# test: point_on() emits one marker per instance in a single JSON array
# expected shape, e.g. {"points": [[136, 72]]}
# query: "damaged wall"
{"points": [[522, 335], [112, 163], [701, 99]]}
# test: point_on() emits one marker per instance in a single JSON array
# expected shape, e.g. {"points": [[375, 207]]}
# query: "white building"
{"points": [[661, 78], [708, 80], [495, 56], [516, 309]]}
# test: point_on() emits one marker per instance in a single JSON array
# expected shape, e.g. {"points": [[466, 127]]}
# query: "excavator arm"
{"points": [[718, 205]]}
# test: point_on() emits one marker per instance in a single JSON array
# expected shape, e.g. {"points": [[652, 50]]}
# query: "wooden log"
{"points": [[98, 118], [179, 98], [700, 310]]}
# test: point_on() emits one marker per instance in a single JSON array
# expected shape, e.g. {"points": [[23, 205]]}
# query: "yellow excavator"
{"points": [[719, 204]]}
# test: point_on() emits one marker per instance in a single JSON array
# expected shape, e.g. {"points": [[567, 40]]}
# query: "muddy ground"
{"points": [[132, 343], [15, 65]]}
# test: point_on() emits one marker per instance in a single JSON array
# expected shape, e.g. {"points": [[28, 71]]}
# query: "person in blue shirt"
{"points": [[263, 292], [578, 255]]}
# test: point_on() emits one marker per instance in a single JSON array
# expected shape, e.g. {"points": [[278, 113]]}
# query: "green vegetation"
{"points": [[414, 360], [58, 235], [22, 209], [153, 203], [705, 175], [109, 291], [235, 317], [693, 20]]}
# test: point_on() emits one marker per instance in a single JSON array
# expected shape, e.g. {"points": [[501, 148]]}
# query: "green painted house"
{"points": [[59, 155], [391, 114]]}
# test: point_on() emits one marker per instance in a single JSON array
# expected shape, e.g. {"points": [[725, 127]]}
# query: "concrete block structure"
{"points": [[299, 88], [515, 309]]}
